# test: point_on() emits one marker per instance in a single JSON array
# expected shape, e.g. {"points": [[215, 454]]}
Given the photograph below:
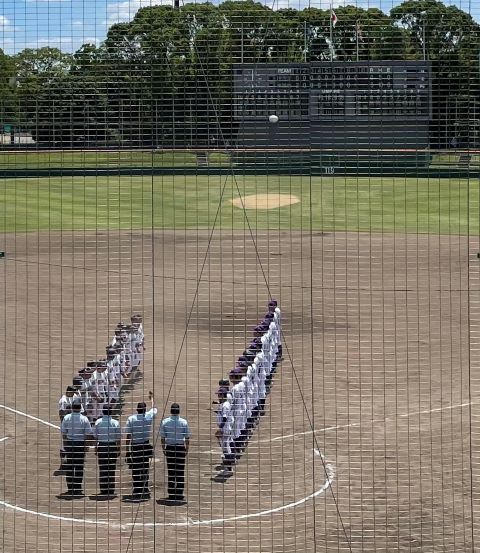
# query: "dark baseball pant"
{"points": [[107, 455], [140, 455], [74, 464], [176, 456]]}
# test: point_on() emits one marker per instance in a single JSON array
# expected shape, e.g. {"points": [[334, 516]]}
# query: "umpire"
{"points": [[175, 437], [108, 435], [76, 431], [139, 449]]}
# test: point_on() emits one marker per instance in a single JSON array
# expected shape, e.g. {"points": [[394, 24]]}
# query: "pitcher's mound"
{"points": [[265, 201]]}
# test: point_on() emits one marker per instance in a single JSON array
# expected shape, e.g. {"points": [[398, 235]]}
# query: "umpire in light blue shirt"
{"points": [[108, 434], [175, 437], [139, 449], [76, 432]]}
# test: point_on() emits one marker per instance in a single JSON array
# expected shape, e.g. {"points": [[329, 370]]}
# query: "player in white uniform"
{"points": [[224, 433], [261, 382], [86, 391], [137, 323], [65, 402], [252, 397], [239, 410], [100, 389], [64, 408]]}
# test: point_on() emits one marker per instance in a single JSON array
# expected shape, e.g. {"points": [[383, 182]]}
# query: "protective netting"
{"points": [[239, 260]]}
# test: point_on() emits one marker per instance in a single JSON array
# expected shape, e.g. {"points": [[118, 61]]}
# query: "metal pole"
{"points": [[305, 41], [358, 39], [241, 43], [424, 37], [331, 32]]}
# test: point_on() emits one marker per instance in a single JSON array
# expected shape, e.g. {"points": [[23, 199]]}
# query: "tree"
{"points": [[450, 39], [8, 96]]}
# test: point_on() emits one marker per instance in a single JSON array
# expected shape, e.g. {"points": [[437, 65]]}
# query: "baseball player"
{"points": [[64, 407], [86, 391], [224, 433], [239, 410], [65, 402], [99, 388]]}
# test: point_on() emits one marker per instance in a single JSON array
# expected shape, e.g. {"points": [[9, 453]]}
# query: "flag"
{"points": [[333, 18]]}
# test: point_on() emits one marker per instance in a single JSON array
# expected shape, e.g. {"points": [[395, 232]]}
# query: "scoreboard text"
{"points": [[326, 90]]}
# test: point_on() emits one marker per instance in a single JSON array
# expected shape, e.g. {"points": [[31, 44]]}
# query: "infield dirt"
{"points": [[378, 353]]}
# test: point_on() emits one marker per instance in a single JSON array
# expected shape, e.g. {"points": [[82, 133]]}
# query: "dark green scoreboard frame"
{"points": [[328, 107]]}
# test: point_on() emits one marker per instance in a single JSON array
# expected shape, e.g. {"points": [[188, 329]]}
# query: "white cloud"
{"points": [[61, 42], [126, 10], [5, 23]]}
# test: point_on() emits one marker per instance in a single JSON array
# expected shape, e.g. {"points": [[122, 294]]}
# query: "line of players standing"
{"points": [[100, 383], [242, 397]]}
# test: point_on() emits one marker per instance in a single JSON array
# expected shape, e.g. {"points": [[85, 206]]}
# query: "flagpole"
{"points": [[358, 45], [305, 41], [331, 31]]}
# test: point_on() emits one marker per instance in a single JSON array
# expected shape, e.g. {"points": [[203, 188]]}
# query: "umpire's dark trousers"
{"points": [[107, 455], [74, 461], [140, 455], [176, 455]]}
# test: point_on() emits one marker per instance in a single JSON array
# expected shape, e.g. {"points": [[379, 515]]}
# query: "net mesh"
{"points": [[283, 195]]}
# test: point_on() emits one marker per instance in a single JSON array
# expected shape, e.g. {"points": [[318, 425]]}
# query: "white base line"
{"points": [[329, 468], [371, 421], [29, 416]]}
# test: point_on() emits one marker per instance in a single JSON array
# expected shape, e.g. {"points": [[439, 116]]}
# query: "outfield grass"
{"points": [[439, 206], [104, 159]]}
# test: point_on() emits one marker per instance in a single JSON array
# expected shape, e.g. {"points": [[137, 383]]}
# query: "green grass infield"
{"points": [[378, 204]]}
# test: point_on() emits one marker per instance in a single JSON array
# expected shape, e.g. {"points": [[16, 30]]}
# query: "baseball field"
{"points": [[370, 441]]}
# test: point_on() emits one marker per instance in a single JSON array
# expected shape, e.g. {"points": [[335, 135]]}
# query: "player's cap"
{"points": [[242, 363], [76, 402], [222, 390], [86, 371], [175, 409], [242, 358], [71, 389], [77, 380], [273, 303], [141, 405], [268, 316], [235, 372], [223, 382], [120, 324], [92, 364]]}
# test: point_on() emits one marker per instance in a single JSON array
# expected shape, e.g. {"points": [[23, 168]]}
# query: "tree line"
{"points": [[162, 78]]}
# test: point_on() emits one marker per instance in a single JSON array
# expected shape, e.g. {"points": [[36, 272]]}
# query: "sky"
{"points": [[67, 24]]}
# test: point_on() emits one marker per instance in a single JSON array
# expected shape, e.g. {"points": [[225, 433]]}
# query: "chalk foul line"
{"points": [[329, 471], [26, 415], [371, 421]]}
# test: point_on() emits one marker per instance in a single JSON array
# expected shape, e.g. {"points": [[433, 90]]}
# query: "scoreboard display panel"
{"points": [[330, 90]]}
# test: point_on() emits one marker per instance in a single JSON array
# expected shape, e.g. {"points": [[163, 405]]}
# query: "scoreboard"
{"points": [[334, 90]]}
